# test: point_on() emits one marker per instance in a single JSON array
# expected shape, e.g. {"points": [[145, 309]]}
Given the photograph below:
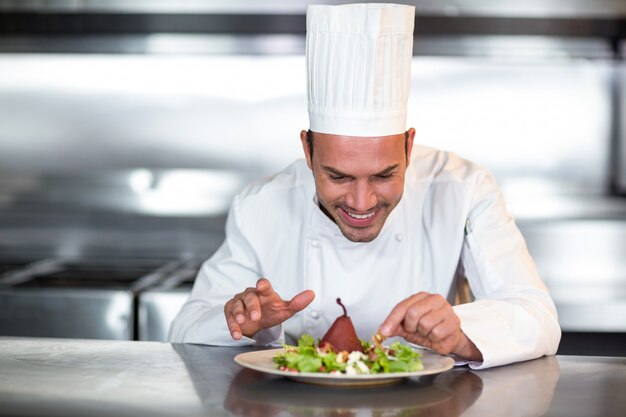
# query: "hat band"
{"points": [[363, 124]]}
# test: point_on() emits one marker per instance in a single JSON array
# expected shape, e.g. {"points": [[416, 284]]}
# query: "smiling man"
{"points": [[387, 226], [358, 186]]}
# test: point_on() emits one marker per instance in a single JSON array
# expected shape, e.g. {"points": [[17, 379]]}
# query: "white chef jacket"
{"points": [[451, 213]]}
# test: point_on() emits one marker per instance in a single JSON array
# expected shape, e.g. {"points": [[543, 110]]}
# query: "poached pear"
{"points": [[341, 335]]}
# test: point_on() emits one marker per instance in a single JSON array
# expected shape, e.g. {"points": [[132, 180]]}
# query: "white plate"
{"points": [[262, 361]]}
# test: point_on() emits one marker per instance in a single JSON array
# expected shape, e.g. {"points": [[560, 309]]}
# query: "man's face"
{"points": [[359, 181]]}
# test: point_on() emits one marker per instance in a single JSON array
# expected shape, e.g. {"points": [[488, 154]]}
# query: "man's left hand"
{"points": [[428, 320]]}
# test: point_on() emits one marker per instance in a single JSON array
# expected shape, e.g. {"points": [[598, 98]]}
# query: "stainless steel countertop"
{"points": [[54, 377]]}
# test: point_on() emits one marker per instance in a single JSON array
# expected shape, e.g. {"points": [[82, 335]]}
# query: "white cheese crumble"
{"points": [[356, 364]]}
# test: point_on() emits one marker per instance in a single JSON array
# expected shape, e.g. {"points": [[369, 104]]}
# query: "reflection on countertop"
{"points": [[252, 395], [528, 387], [70, 377]]}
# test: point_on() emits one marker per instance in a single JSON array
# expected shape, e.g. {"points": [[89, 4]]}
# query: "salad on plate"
{"points": [[373, 358], [341, 352]]}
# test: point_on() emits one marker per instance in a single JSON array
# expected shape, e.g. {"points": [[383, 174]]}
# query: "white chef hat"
{"points": [[359, 68]]}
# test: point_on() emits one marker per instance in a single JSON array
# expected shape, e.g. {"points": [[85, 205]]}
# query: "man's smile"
{"points": [[360, 216], [359, 220]]}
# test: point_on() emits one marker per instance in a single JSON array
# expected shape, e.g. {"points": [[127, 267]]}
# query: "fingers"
{"points": [[300, 301], [391, 325], [444, 346], [252, 305], [446, 325], [264, 287], [438, 330], [233, 327], [261, 307], [242, 311], [247, 305], [423, 315], [241, 303], [427, 320]]}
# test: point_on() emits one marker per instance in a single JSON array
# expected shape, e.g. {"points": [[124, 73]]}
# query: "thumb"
{"points": [[300, 301]]}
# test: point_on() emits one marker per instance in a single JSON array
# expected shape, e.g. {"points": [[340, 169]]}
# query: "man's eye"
{"points": [[337, 177], [384, 176]]}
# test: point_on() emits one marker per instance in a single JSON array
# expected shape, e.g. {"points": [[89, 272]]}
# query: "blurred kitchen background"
{"points": [[126, 127]]}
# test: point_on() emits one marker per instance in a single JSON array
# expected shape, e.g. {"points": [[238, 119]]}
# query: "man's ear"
{"points": [[305, 147], [409, 145]]}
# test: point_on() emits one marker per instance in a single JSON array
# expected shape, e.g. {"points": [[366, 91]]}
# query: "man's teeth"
{"points": [[361, 216]]}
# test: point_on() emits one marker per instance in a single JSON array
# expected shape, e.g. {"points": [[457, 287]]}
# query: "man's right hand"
{"points": [[260, 308]]}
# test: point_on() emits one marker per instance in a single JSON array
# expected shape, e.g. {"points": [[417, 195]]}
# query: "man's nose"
{"points": [[361, 196]]}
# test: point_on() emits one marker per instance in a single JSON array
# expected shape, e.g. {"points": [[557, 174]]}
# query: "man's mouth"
{"points": [[360, 216], [358, 219]]}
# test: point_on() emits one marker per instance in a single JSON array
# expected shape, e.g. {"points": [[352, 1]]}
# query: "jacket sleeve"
{"points": [[513, 317], [232, 269]]}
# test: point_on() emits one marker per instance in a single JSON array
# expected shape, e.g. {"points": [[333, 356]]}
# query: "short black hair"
{"points": [[309, 141]]}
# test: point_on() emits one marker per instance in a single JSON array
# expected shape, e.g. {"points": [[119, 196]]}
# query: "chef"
{"points": [[372, 218]]}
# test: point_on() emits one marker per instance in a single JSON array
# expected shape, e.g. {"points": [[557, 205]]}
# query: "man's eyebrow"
{"points": [[333, 171], [338, 173], [388, 170]]}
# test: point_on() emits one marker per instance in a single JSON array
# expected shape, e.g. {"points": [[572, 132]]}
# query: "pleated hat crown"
{"points": [[359, 68]]}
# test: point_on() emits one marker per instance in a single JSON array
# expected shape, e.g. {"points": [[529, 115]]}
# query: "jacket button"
{"points": [[315, 314], [315, 243], [399, 237]]}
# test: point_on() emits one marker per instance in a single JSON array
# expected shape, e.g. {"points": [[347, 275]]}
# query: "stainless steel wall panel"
{"points": [[91, 298], [48, 230], [540, 8], [620, 123], [67, 313], [241, 115], [179, 44], [157, 310], [157, 307], [579, 252], [548, 17], [522, 120], [93, 113], [583, 264]]}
